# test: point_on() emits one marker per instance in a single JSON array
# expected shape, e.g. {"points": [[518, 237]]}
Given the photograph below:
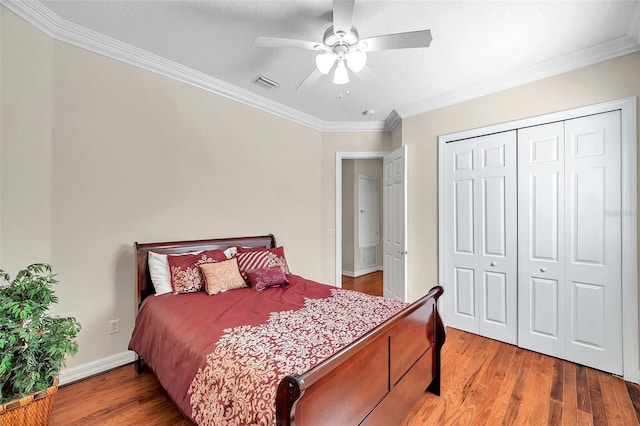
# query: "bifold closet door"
{"points": [[569, 240], [541, 274], [480, 235]]}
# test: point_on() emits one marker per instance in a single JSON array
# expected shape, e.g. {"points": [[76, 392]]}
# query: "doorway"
{"points": [[393, 186], [347, 159], [361, 218]]}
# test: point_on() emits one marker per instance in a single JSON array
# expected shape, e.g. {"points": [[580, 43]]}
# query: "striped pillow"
{"points": [[258, 259]]}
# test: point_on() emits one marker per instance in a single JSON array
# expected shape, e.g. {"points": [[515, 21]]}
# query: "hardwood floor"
{"points": [[118, 397], [370, 283], [484, 382]]}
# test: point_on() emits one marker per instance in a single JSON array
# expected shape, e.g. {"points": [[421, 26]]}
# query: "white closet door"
{"points": [[460, 246], [569, 240], [593, 241], [541, 295], [481, 235]]}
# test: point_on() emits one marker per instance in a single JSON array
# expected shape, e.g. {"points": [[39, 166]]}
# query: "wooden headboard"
{"points": [[143, 279]]}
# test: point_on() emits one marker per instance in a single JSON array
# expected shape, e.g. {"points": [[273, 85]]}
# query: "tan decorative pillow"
{"points": [[222, 276]]}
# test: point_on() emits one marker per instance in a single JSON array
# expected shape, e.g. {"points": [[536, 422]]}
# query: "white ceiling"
{"points": [[478, 47]]}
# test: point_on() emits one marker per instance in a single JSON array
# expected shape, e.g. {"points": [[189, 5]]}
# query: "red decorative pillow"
{"points": [[257, 259], [263, 278], [185, 270]]}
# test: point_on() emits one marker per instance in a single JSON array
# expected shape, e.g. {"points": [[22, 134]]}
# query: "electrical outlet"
{"points": [[114, 326]]}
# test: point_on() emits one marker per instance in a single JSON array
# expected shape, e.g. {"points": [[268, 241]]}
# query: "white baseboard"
{"points": [[361, 272], [73, 374]]}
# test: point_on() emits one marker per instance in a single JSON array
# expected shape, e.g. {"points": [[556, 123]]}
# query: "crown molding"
{"points": [[392, 120], [38, 15], [592, 55], [354, 126], [41, 17]]}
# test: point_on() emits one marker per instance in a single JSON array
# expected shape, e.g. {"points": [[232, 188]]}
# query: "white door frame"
{"points": [[629, 212], [339, 157]]}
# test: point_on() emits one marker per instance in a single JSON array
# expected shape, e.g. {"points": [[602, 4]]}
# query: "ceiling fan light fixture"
{"points": [[341, 75], [324, 62], [356, 59]]}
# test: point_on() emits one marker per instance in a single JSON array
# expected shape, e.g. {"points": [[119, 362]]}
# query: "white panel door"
{"points": [[541, 295], [460, 235], [593, 241], [368, 215], [480, 235], [496, 198], [570, 240], [394, 230]]}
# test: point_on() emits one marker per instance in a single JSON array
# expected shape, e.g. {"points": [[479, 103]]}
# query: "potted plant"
{"points": [[33, 345]]}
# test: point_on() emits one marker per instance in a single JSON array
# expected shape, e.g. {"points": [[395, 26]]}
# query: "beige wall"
{"points": [[97, 154], [348, 217], [25, 166]]}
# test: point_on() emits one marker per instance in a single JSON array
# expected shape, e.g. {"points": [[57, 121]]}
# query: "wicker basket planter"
{"points": [[32, 410]]}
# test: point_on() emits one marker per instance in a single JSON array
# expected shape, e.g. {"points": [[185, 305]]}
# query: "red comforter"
{"points": [[221, 357]]}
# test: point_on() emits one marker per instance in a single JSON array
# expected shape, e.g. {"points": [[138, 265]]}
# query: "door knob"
{"points": [[493, 264], [402, 252], [543, 269]]}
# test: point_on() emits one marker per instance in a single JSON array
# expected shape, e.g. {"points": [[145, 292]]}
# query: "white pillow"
{"points": [[230, 252], [159, 271]]}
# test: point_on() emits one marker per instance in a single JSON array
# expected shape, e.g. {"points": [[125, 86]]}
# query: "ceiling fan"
{"points": [[342, 46]]}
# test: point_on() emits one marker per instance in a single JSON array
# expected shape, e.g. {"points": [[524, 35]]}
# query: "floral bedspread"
{"points": [[250, 341]]}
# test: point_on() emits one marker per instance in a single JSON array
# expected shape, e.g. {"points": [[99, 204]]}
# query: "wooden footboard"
{"points": [[375, 380]]}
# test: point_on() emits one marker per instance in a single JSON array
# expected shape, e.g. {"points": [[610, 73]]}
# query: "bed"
{"points": [[374, 379]]}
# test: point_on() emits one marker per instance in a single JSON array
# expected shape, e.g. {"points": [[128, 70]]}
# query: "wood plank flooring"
{"points": [[118, 397], [484, 382], [370, 283]]}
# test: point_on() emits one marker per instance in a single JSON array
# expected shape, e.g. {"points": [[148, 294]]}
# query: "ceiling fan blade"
{"points": [[342, 15], [367, 75], [311, 79], [399, 40], [288, 42]]}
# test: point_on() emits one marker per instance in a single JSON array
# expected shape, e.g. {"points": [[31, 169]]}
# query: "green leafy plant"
{"points": [[33, 343]]}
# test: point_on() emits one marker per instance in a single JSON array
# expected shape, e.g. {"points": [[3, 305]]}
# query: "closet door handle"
{"points": [[493, 264], [543, 269]]}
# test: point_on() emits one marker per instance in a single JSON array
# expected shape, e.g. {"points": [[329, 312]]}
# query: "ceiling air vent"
{"points": [[266, 82]]}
